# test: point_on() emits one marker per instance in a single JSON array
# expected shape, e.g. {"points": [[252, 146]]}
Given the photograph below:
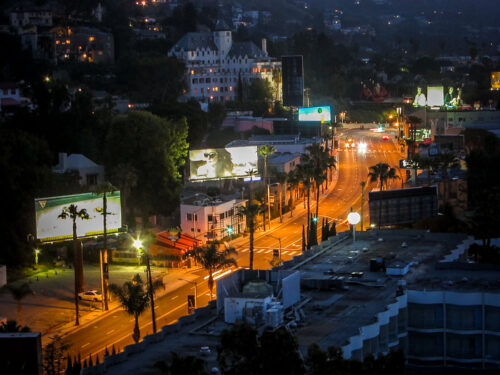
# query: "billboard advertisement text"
{"points": [[49, 227], [230, 162], [320, 114]]}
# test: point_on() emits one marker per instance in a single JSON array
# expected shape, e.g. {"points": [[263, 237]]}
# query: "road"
{"points": [[116, 328]]}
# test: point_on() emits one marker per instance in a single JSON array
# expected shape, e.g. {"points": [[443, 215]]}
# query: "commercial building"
{"points": [[216, 65], [206, 218]]}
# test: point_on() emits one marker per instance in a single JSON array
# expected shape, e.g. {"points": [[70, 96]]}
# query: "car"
{"points": [[90, 295], [349, 143], [386, 137], [205, 350]]}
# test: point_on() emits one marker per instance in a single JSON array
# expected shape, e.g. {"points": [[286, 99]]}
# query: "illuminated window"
{"points": [[192, 72], [216, 88], [208, 89], [230, 88], [91, 39], [58, 41], [68, 41], [211, 71], [195, 91]]}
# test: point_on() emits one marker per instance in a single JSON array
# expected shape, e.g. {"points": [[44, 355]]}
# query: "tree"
{"points": [[155, 149], [250, 211], [213, 259], [293, 183], [104, 189], [381, 172], [54, 357], [282, 179], [446, 161], [134, 299], [125, 177], [11, 326], [180, 365], [19, 293], [72, 212], [305, 174], [265, 151]]}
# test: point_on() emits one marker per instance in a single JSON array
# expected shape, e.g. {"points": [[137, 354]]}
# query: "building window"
{"points": [[209, 217], [189, 217], [195, 91], [92, 179]]}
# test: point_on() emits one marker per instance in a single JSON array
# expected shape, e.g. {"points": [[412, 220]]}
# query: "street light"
{"points": [[37, 251], [353, 218], [279, 241], [195, 291], [139, 246]]}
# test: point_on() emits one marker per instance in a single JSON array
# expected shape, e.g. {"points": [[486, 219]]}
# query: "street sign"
{"points": [[190, 303], [276, 253]]}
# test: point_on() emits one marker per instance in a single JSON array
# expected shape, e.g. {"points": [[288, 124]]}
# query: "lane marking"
{"points": [[174, 298], [107, 333], [83, 346]]}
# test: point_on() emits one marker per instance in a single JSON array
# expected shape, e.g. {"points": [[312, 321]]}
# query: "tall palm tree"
{"points": [[19, 293], [251, 173], [213, 259], [381, 172], [250, 211], [134, 299], [305, 174], [445, 161], [104, 189], [72, 212], [265, 151], [293, 183], [282, 179]]}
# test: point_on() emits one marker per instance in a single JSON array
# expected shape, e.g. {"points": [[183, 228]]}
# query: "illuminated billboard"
{"points": [[495, 80], [230, 162], [435, 96], [320, 114], [49, 227]]}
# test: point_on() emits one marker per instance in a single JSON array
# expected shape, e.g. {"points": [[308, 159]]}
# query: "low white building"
{"points": [[206, 218], [90, 173], [216, 65]]}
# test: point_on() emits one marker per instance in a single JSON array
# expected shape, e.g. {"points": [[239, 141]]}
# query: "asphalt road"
{"points": [[116, 328]]}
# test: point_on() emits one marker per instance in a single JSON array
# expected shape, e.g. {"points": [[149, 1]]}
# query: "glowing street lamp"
{"points": [[139, 246], [353, 218], [36, 251]]}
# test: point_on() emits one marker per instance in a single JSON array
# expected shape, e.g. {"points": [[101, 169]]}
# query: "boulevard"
{"points": [[115, 328]]}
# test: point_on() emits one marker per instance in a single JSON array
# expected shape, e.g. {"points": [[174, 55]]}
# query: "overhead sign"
{"points": [[230, 162], [49, 227], [320, 114]]}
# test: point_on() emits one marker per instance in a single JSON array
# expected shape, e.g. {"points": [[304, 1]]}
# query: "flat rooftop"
{"points": [[337, 309]]}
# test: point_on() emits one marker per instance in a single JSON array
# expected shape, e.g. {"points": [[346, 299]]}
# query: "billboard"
{"points": [[435, 96], [292, 72], [320, 114], [495, 80], [229, 162], [49, 227], [403, 206]]}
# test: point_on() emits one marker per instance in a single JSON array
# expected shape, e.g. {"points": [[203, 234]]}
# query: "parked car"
{"points": [[90, 295]]}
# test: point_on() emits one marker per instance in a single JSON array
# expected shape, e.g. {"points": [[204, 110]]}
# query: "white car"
{"points": [[90, 295]]}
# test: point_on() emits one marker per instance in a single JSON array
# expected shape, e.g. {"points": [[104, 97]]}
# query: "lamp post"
{"points": [[195, 291], [363, 185], [353, 218], [139, 246], [279, 241], [37, 251]]}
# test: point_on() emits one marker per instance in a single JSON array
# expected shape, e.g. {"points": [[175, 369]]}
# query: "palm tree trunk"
{"points": [[380, 205], [281, 203], [251, 245], [76, 272], [211, 284], [105, 270], [292, 192], [317, 201], [136, 336], [308, 215], [19, 313]]}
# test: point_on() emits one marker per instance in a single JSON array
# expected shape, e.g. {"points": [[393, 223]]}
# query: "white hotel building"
{"points": [[215, 64]]}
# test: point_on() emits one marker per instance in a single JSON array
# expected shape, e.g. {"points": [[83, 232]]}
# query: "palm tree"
{"points": [[305, 175], [251, 173], [134, 300], [381, 172], [282, 178], [293, 183], [19, 293], [250, 211], [445, 161], [72, 212], [265, 151], [213, 259], [11, 327], [104, 189]]}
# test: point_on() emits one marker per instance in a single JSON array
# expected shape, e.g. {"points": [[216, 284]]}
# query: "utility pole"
{"points": [[151, 293], [363, 184]]}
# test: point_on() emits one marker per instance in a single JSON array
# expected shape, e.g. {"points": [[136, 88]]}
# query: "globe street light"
{"points": [[37, 251], [353, 218], [139, 246]]}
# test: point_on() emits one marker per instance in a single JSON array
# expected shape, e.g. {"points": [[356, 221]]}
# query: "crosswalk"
{"points": [[269, 251]]}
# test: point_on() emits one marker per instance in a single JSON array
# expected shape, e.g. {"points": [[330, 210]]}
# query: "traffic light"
{"points": [[315, 219], [229, 229]]}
